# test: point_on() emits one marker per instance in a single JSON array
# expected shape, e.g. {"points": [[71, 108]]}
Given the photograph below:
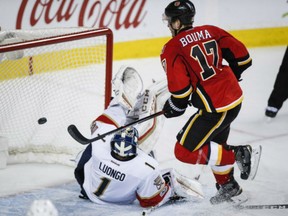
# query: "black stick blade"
{"points": [[74, 132]]}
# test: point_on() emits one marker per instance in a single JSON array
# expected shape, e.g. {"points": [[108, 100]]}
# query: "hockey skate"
{"points": [[247, 159], [243, 160], [230, 192]]}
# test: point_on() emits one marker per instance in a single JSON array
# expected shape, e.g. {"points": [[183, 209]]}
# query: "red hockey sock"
{"points": [[213, 154], [225, 176], [196, 157], [223, 157]]}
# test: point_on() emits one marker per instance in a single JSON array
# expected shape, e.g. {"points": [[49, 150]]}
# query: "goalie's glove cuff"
{"points": [[171, 110]]}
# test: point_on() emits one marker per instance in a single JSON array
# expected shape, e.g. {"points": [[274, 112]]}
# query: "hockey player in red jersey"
{"points": [[115, 169], [193, 62]]}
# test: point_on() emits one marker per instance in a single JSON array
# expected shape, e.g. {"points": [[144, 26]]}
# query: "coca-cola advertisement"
{"points": [[124, 17], [115, 14], [136, 19]]}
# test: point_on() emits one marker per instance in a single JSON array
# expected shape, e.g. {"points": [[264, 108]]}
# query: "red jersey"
{"points": [[193, 61]]}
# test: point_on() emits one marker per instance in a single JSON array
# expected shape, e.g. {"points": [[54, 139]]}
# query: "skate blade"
{"points": [[237, 200], [255, 160]]}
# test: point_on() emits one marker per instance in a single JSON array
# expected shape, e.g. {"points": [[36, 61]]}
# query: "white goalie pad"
{"points": [[151, 101], [182, 185], [127, 87]]}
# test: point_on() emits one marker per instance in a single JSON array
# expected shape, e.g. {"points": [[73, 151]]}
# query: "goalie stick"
{"points": [[75, 133]]}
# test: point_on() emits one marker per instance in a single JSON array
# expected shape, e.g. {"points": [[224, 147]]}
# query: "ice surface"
{"points": [[23, 183]]}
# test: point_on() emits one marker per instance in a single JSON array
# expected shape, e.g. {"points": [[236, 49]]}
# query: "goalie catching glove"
{"points": [[127, 87]]}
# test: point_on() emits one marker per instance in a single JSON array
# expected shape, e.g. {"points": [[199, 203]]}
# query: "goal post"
{"points": [[49, 79]]}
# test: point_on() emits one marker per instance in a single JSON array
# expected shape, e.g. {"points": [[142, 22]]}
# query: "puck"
{"points": [[42, 120]]}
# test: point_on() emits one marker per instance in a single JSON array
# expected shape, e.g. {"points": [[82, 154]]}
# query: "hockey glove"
{"points": [[171, 110]]}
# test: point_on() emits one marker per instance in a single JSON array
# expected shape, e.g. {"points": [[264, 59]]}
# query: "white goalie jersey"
{"points": [[110, 180]]}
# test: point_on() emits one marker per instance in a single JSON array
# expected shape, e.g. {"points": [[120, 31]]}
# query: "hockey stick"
{"points": [[147, 211], [240, 207], [268, 206], [75, 133]]}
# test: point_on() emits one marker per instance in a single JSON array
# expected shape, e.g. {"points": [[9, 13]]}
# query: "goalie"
{"points": [[116, 169]]}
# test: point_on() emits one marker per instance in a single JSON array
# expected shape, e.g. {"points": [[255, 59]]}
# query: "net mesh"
{"points": [[61, 83]]}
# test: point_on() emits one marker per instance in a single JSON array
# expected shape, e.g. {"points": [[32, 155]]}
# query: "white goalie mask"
{"points": [[127, 87]]}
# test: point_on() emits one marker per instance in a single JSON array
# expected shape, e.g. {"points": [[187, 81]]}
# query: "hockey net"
{"points": [[59, 75]]}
